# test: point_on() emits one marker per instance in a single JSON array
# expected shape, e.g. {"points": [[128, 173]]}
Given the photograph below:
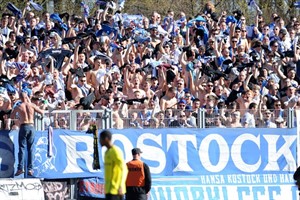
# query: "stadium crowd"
{"points": [[150, 72]]}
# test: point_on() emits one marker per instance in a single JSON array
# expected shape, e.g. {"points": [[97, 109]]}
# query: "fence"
{"points": [[74, 119], [142, 119]]}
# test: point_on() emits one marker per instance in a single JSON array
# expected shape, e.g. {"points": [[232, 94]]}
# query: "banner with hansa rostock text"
{"points": [[194, 164]]}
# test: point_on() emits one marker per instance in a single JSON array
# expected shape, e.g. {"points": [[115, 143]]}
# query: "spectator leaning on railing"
{"points": [[151, 72]]}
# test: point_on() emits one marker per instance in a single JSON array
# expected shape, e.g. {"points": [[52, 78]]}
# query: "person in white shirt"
{"points": [[248, 120], [4, 29], [266, 121]]}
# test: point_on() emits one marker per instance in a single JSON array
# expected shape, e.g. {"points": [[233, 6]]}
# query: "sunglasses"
{"points": [[209, 85], [277, 104], [234, 41]]}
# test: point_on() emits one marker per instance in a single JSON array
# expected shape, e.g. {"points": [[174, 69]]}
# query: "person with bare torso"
{"points": [[25, 112]]}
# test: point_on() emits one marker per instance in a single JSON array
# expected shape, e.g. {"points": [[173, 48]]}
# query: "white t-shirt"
{"points": [[249, 119]]}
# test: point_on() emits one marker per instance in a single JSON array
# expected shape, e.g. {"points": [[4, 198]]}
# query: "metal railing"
{"points": [[81, 119], [74, 119]]}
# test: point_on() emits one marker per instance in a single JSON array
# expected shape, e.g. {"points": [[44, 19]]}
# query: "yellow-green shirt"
{"points": [[115, 171]]}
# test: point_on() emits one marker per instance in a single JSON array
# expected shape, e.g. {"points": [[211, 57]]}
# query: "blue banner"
{"points": [[91, 187], [196, 163]]}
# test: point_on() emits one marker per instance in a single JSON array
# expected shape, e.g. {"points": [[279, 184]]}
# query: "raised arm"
{"points": [[187, 37], [66, 67], [232, 31], [217, 48], [104, 13], [127, 53], [161, 79], [3, 68], [76, 53], [246, 82], [278, 71], [182, 59], [126, 79]]}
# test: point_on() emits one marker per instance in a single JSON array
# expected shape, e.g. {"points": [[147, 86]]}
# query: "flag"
{"points": [[114, 45], [23, 67], [36, 6], [56, 17], [86, 9], [174, 26], [107, 29], [112, 5], [297, 4], [50, 141], [17, 12], [181, 20], [117, 17], [100, 3], [94, 130], [253, 4], [121, 3]]}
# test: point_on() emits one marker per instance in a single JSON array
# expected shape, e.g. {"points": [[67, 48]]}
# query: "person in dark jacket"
{"points": [[297, 177], [138, 183]]}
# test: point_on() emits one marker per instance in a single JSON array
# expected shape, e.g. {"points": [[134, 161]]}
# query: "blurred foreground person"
{"points": [[115, 170]]}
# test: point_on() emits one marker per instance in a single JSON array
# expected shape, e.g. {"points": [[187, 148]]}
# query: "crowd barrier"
{"points": [[140, 119], [185, 163]]}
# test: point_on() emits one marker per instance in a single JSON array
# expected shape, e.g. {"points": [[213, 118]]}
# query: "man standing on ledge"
{"points": [[138, 183], [115, 170], [25, 112]]}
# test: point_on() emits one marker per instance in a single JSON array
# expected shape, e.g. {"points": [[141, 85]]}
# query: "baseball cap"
{"points": [[136, 151], [182, 101], [283, 31], [189, 108], [34, 38]]}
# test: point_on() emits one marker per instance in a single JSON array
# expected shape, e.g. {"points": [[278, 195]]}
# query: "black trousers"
{"points": [[113, 197], [136, 196]]}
